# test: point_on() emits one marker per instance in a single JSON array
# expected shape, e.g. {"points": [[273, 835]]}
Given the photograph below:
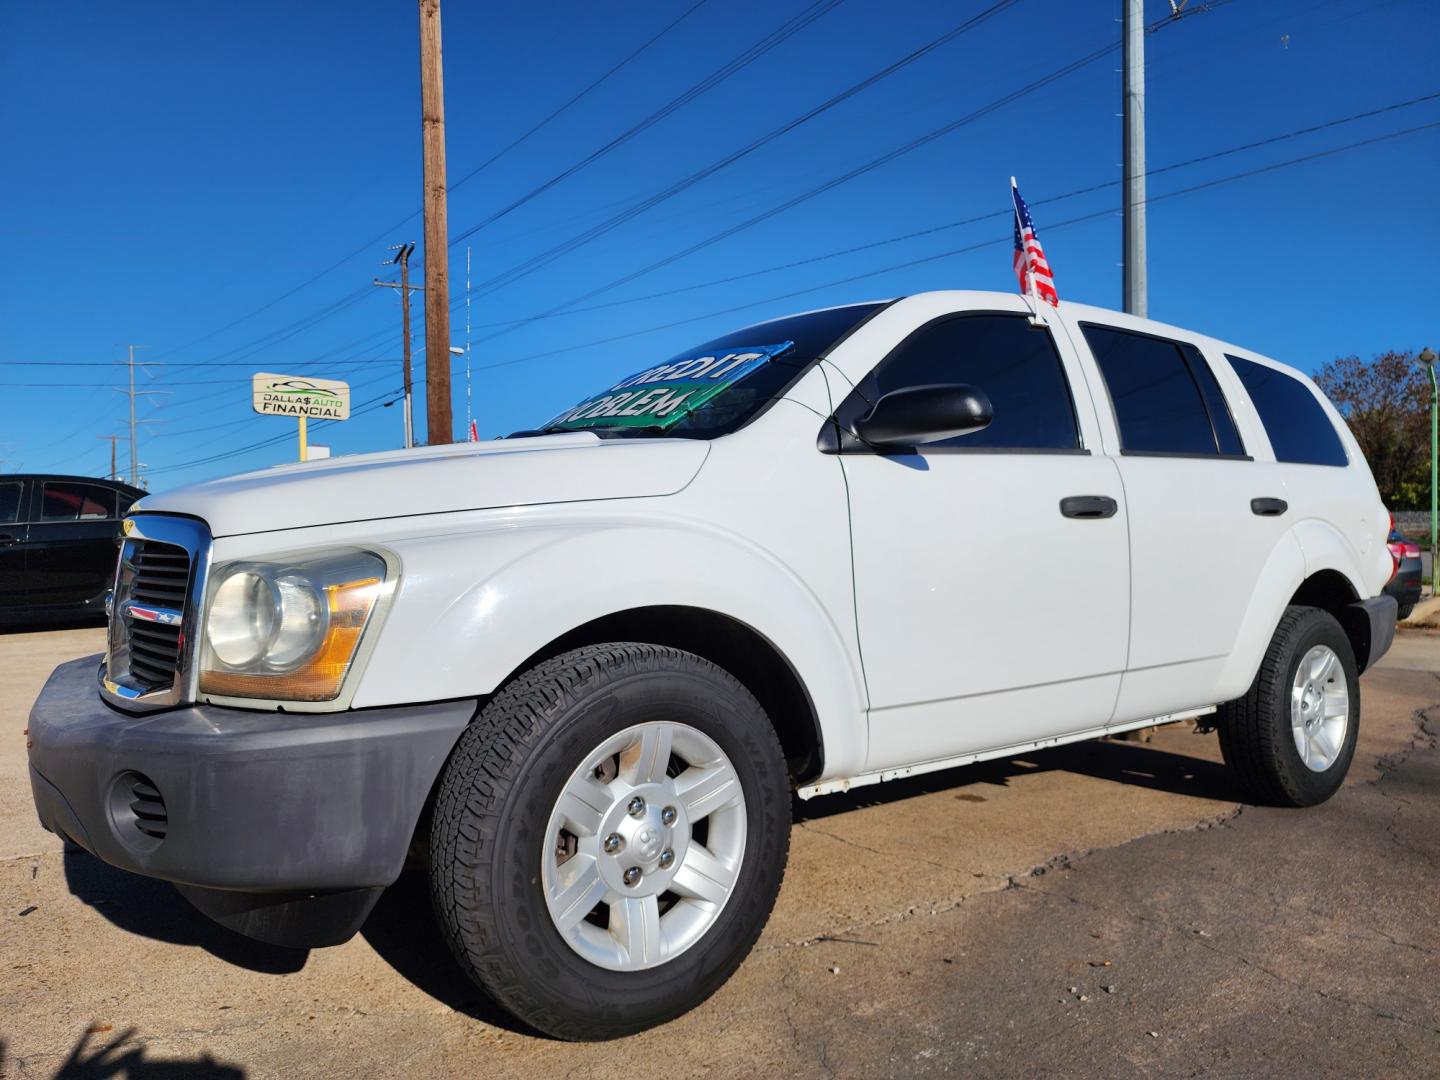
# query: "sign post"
{"points": [[302, 398]]}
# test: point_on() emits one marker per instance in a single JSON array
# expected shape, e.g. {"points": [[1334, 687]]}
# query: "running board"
{"points": [[830, 787]]}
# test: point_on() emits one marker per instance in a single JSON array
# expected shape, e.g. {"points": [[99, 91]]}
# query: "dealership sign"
{"points": [[292, 395]]}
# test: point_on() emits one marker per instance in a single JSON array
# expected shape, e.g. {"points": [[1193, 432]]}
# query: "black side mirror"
{"points": [[924, 414]]}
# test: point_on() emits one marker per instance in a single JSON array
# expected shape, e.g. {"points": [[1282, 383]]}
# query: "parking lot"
{"points": [[1104, 909]]}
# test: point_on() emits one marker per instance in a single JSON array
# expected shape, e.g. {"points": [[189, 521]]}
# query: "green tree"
{"points": [[1386, 402]]}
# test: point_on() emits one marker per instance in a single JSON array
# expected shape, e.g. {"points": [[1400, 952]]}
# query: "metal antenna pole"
{"points": [[469, 417], [1136, 286]]}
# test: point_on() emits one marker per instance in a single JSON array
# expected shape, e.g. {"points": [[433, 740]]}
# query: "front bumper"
{"points": [[283, 826]]}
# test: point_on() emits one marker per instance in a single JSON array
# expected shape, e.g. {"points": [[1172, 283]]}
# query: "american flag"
{"points": [[1031, 268]]}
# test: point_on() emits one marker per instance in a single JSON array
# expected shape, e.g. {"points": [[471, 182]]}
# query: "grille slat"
{"points": [[158, 575], [151, 816]]}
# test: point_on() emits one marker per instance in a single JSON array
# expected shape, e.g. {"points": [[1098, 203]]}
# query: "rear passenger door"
{"points": [[1197, 545], [1310, 458], [71, 545], [13, 530], [987, 617]]}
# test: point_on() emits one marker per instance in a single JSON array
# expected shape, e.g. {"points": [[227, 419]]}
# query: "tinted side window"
{"points": [[10, 501], [125, 501], [1014, 363], [1158, 405], [1227, 436], [72, 502], [1299, 430]]}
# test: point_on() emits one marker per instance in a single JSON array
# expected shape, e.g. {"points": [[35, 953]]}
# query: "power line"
{"points": [[907, 264], [831, 184], [1215, 155], [535, 262], [738, 63], [778, 36], [368, 244], [966, 249]]}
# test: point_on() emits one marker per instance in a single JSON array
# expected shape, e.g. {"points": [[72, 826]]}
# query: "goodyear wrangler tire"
{"points": [[1291, 738], [609, 838]]}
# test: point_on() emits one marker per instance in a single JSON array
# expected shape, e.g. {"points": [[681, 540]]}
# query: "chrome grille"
{"points": [[157, 583], [162, 575]]}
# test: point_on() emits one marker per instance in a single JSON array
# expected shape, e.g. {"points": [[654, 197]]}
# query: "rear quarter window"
{"points": [[1300, 431]]}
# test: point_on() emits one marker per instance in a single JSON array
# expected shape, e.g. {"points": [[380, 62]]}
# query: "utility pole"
{"points": [[132, 364], [438, 424], [402, 259], [1428, 358], [113, 439], [1135, 285]]}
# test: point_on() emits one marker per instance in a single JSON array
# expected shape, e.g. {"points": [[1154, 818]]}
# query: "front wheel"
{"points": [[609, 838], [1290, 739]]}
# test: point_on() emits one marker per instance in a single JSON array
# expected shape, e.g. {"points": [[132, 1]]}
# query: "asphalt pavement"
{"points": [[1107, 909]]}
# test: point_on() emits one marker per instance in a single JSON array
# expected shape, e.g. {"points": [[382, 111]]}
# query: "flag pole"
{"points": [[1031, 296]]}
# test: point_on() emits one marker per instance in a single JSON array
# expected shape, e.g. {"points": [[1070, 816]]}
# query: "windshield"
{"points": [[714, 388]]}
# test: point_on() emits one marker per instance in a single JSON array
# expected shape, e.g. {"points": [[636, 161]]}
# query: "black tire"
{"points": [[1403, 612], [1255, 733], [493, 809]]}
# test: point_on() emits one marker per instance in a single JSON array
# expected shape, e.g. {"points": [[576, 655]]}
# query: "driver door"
{"points": [[991, 611]]}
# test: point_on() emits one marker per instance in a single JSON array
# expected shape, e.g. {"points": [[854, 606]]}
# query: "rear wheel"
{"points": [[609, 838], [1290, 739], [1404, 612]]}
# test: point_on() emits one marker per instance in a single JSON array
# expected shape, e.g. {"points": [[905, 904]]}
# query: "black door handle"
{"points": [[1088, 506], [1268, 507]]}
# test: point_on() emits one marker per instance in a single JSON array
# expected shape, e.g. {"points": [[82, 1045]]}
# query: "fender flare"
{"points": [[1310, 547]]}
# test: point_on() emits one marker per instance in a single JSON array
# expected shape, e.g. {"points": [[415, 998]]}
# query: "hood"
{"points": [[436, 479]]}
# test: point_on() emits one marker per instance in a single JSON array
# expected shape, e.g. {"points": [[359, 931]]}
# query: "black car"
{"points": [[57, 545]]}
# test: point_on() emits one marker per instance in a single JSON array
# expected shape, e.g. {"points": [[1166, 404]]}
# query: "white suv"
{"points": [[581, 670]]}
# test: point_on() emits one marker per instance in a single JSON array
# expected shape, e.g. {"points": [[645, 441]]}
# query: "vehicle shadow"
{"points": [[153, 909], [403, 931], [108, 1060], [1134, 764]]}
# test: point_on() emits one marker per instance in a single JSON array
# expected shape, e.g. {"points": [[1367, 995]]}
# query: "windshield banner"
{"points": [[663, 395]]}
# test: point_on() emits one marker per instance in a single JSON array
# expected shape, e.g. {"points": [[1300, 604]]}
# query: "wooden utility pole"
{"points": [[402, 259], [438, 424], [112, 439]]}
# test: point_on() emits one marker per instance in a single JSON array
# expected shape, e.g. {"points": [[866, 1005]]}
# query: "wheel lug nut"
{"points": [[636, 807], [614, 843], [632, 876], [667, 857], [667, 816]]}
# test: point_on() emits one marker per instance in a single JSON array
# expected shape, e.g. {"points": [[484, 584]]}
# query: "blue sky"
{"points": [[172, 170]]}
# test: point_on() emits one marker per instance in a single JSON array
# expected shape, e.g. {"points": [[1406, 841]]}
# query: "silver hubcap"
{"points": [[644, 846], [1319, 708]]}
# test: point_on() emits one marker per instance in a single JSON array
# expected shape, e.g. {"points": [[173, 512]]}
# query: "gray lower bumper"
{"points": [[260, 809]]}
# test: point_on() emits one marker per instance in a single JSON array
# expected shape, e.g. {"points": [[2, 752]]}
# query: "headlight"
{"points": [[289, 630]]}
